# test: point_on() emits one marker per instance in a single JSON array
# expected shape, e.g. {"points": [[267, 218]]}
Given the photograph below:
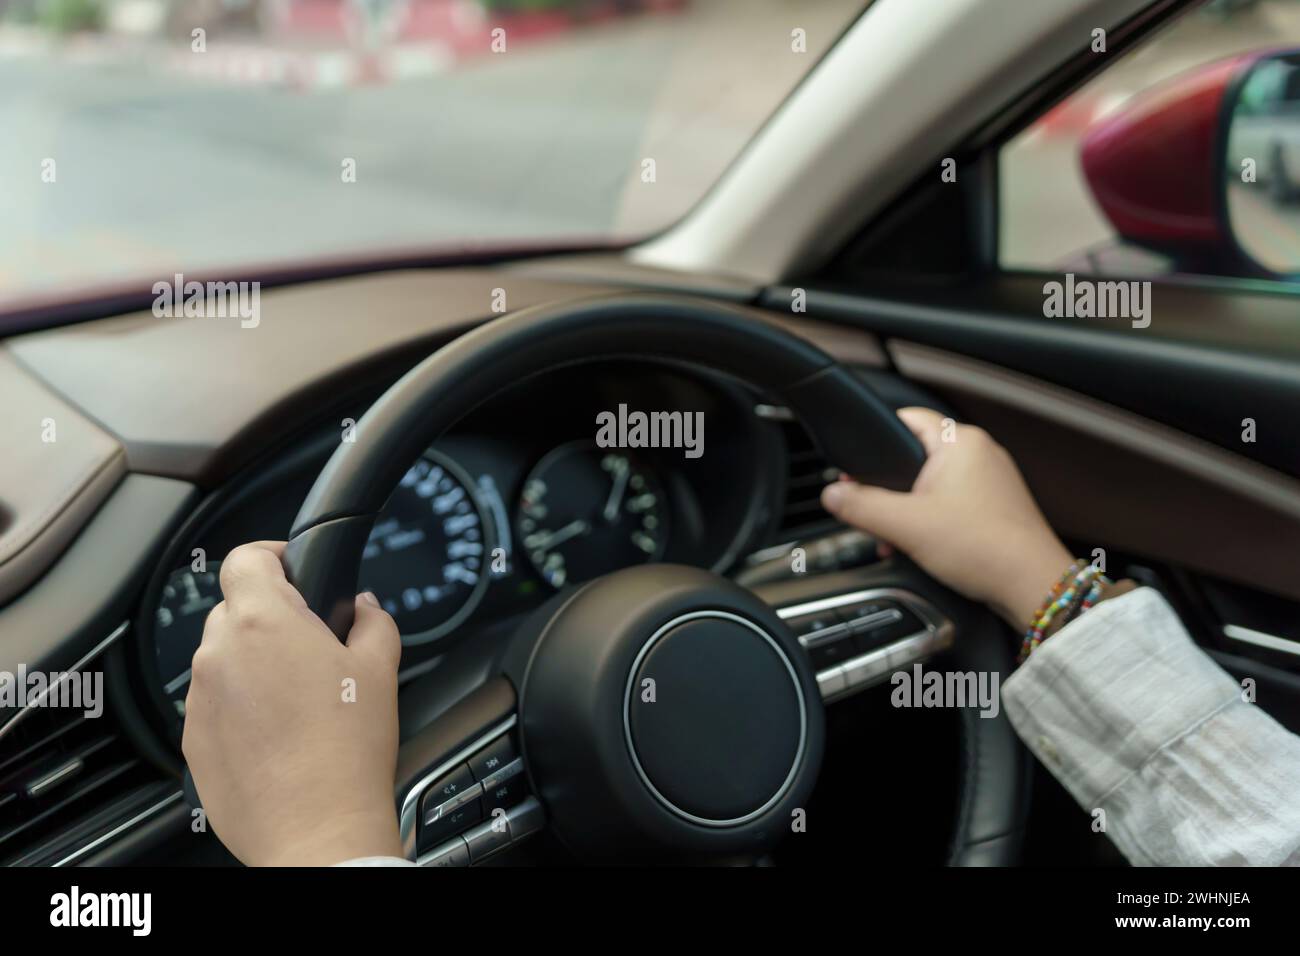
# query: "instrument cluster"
{"points": [[518, 502]]}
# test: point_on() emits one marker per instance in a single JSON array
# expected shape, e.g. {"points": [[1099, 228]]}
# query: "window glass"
{"points": [[1058, 215], [143, 138]]}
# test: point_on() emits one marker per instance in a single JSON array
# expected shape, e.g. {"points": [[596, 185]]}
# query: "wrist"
{"points": [[1024, 586], [338, 838]]}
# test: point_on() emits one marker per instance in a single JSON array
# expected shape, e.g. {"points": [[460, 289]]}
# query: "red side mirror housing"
{"points": [[1154, 165]]}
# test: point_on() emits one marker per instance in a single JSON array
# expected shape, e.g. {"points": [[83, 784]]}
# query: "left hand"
{"points": [[291, 736]]}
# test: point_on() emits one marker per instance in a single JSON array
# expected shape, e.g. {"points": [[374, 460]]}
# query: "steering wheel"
{"points": [[659, 712]]}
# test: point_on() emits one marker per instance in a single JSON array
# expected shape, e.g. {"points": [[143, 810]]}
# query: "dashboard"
{"points": [[521, 500]]}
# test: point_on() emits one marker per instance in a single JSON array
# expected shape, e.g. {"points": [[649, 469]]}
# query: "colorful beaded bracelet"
{"points": [[1056, 590], [1077, 591]]}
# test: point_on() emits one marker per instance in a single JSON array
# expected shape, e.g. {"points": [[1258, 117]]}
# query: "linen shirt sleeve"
{"points": [[1134, 719], [376, 861]]}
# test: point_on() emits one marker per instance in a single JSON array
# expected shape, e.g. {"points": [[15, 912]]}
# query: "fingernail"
{"points": [[369, 598], [832, 496]]}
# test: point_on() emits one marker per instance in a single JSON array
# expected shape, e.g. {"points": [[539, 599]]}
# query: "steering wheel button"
{"points": [[441, 822], [492, 758], [861, 609], [528, 817], [817, 625], [831, 682], [829, 653], [909, 651], [885, 626], [449, 805], [864, 670], [876, 620], [505, 791], [513, 769], [442, 810], [489, 836], [505, 795], [453, 853], [447, 787]]}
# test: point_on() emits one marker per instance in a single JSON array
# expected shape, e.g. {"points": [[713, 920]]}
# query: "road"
{"points": [[158, 173], [161, 172]]}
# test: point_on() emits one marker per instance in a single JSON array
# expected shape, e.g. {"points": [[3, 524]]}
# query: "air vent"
{"points": [[58, 766], [807, 473]]}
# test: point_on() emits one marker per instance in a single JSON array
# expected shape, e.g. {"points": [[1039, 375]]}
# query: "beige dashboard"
{"points": [[194, 399]]}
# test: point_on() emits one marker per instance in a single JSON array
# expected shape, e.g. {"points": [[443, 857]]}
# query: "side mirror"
{"points": [[1169, 168], [1261, 163]]}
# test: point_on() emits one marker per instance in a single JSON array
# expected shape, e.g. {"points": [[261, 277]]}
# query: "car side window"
{"points": [[1181, 157]]}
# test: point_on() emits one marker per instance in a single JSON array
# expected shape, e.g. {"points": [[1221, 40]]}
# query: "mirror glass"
{"points": [[1262, 164]]}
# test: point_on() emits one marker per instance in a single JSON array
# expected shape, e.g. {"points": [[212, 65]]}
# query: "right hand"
{"points": [[969, 519]]}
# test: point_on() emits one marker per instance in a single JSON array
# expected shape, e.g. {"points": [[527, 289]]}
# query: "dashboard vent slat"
{"points": [[807, 472], [57, 769]]}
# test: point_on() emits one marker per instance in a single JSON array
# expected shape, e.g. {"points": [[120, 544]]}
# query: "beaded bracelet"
{"points": [[1095, 594], [1056, 592], [1076, 592]]}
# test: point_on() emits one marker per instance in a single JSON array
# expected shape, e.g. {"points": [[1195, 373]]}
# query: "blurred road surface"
{"points": [[158, 173]]}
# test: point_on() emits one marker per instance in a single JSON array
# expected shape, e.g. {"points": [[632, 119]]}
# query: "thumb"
{"points": [[374, 633], [891, 515]]}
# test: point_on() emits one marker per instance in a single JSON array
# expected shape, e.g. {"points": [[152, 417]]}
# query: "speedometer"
{"points": [[183, 605], [426, 558]]}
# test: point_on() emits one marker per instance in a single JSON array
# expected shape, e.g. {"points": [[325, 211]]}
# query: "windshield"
{"points": [[143, 138]]}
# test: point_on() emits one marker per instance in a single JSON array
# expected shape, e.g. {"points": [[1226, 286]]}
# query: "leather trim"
{"points": [[847, 346], [1213, 357], [1167, 495], [50, 489]]}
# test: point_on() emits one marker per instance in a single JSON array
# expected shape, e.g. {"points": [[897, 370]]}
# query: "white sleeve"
{"points": [[376, 861], [1134, 719]]}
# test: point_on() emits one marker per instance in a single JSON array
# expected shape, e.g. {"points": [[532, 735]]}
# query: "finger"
{"points": [[253, 568], [275, 547], [292, 593], [878, 511], [374, 633], [926, 424], [213, 624]]}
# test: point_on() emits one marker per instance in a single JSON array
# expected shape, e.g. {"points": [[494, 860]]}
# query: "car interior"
{"points": [[421, 426]]}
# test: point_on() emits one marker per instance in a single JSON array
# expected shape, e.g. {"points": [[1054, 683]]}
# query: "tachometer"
{"points": [[427, 556], [585, 511]]}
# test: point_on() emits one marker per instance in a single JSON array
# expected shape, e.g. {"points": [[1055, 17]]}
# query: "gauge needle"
{"points": [[616, 494], [544, 539]]}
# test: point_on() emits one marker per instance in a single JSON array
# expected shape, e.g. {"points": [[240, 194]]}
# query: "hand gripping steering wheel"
{"points": [[658, 712]]}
